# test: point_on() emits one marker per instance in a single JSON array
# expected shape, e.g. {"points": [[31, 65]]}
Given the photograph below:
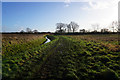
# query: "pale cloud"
{"points": [[101, 4], [67, 3]]}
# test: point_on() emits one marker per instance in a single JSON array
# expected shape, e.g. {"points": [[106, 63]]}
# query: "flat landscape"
{"points": [[71, 57], [60, 40]]}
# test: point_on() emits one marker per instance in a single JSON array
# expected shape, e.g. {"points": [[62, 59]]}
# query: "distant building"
{"points": [[82, 31], [95, 31], [104, 30]]}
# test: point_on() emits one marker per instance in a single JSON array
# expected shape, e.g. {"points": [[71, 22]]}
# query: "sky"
{"points": [[43, 16]]}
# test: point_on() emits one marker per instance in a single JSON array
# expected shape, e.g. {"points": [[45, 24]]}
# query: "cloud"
{"points": [[67, 3], [99, 5]]}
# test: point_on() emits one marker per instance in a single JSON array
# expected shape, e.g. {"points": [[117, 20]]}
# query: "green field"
{"points": [[66, 57]]}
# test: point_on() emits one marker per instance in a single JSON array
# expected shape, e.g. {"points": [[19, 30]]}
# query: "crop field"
{"points": [[65, 57]]}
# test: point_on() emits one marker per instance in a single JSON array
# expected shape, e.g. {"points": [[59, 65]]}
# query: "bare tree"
{"points": [[35, 31], [119, 26], [28, 30], [22, 31], [95, 27], [74, 26], [61, 27], [69, 28], [115, 26]]}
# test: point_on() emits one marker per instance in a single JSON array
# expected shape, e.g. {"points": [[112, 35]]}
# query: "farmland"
{"points": [[73, 57]]}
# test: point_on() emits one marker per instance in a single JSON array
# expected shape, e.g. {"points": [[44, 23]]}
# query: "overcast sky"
{"points": [[44, 15]]}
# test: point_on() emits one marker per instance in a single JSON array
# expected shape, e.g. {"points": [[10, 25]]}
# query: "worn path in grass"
{"points": [[51, 67]]}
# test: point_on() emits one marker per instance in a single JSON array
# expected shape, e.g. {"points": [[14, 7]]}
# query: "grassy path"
{"points": [[53, 63]]}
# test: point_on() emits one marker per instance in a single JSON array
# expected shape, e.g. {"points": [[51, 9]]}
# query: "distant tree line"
{"points": [[63, 27], [72, 27], [28, 30]]}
